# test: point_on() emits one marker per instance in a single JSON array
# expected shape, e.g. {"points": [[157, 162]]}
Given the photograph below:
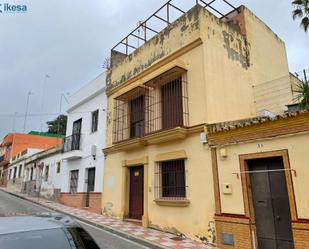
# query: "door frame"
{"points": [[125, 193], [245, 181]]}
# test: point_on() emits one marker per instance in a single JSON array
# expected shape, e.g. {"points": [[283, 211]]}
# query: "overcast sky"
{"points": [[68, 40]]}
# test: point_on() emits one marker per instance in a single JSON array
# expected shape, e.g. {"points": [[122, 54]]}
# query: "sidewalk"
{"points": [[145, 236]]}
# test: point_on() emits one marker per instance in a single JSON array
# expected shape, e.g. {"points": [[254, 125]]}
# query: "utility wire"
{"points": [[21, 115]]}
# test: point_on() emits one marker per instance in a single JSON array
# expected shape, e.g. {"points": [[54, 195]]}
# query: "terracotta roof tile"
{"points": [[231, 125]]}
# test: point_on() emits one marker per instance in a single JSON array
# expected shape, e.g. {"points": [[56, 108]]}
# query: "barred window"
{"points": [[159, 104], [31, 174], [46, 173], [170, 180], [58, 167], [171, 102], [20, 170], [94, 121], [73, 181]]}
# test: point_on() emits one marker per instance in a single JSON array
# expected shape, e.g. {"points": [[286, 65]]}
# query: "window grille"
{"points": [[94, 121], [73, 181], [170, 180], [130, 114], [158, 105]]}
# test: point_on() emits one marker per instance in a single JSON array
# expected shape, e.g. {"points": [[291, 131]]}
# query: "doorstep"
{"points": [[146, 236], [133, 221]]}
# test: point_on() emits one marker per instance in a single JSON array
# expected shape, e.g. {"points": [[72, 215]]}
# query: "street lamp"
{"points": [[27, 107], [43, 96]]}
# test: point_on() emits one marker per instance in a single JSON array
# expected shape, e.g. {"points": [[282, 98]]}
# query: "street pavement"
{"points": [[14, 206]]}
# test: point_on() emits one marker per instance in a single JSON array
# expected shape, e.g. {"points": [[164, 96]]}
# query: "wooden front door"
{"points": [[136, 193], [271, 204]]}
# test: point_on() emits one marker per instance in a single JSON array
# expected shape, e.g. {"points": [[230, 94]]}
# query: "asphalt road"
{"points": [[14, 206]]}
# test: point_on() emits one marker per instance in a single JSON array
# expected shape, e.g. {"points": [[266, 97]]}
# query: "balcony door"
{"points": [[76, 134], [137, 117], [172, 110]]}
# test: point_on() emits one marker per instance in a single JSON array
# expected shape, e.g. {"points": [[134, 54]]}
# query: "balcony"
{"points": [[72, 147], [158, 106]]}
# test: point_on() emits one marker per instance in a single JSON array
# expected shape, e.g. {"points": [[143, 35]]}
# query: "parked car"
{"points": [[44, 231]]}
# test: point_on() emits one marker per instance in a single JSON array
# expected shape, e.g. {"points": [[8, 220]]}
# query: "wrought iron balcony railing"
{"points": [[72, 143]]}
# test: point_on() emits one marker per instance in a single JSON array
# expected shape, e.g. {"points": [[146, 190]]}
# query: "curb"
{"points": [[106, 228]]}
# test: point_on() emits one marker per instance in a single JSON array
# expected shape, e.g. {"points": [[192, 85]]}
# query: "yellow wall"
{"points": [[268, 59], [191, 220], [222, 67], [298, 148], [274, 95]]}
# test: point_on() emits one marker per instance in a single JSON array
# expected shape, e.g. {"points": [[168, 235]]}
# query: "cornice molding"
{"points": [[164, 136], [157, 66]]}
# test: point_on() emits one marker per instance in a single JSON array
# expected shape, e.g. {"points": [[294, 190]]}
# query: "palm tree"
{"points": [[302, 11], [302, 93]]}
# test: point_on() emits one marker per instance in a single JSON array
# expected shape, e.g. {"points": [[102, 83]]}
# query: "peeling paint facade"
{"points": [[220, 62]]}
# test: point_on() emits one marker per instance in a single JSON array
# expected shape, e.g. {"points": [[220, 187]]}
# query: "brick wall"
{"points": [[78, 200], [237, 226], [301, 234], [241, 230]]}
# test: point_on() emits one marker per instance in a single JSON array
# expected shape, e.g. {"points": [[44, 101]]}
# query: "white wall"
{"points": [[88, 99], [21, 161], [54, 178]]}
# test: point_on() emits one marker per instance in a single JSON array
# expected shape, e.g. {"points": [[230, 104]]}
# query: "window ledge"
{"points": [[172, 203]]}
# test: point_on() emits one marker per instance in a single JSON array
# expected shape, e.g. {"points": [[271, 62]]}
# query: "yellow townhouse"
{"points": [[261, 181], [204, 67]]}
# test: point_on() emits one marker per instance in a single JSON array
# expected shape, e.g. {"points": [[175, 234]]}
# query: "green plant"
{"points": [[302, 11], [302, 93]]}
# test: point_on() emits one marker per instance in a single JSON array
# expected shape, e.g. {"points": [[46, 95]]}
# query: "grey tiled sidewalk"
{"points": [[146, 236]]}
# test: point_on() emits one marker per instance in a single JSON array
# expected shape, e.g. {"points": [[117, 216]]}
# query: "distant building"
{"points": [[82, 171], [15, 143], [42, 174], [16, 170]]}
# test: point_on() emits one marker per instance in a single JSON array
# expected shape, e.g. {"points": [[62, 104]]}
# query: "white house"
{"points": [[16, 175], [43, 170], [82, 171]]}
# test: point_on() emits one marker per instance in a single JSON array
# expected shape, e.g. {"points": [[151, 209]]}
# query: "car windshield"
{"points": [[43, 239]]}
